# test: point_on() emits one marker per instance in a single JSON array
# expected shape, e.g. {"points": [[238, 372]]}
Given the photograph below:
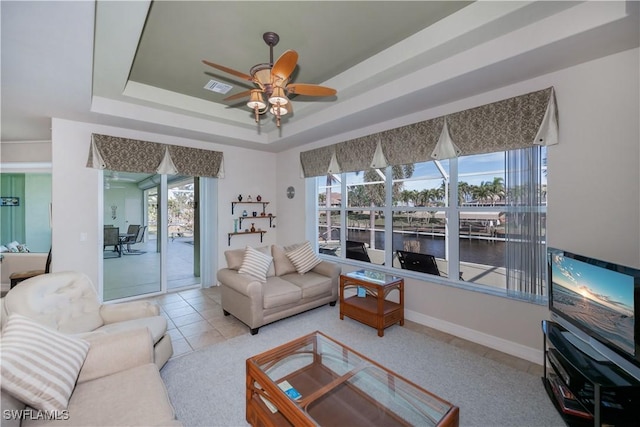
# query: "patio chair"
{"points": [[357, 251], [423, 263], [130, 237], [112, 238], [138, 239]]}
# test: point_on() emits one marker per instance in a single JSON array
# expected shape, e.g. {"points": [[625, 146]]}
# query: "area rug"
{"points": [[207, 387]]}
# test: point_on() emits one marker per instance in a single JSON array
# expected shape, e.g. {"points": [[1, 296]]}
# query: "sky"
{"points": [[472, 169]]}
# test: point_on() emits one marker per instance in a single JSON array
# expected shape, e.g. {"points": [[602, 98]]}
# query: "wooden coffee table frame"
{"points": [[331, 392], [374, 309]]}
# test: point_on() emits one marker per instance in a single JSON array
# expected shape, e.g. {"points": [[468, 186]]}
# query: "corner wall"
{"points": [[593, 199]]}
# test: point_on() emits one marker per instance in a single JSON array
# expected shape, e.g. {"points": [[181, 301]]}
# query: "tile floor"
{"points": [[196, 320]]}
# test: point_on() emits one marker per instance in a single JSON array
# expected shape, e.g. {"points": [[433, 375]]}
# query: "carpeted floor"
{"points": [[207, 387]]}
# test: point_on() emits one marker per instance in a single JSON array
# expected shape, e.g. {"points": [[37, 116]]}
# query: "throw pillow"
{"points": [[40, 366], [256, 264], [304, 258], [282, 263], [235, 257]]}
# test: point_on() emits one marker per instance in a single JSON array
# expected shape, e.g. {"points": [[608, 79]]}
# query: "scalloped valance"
{"points": [[132, 155], [518, 122]]}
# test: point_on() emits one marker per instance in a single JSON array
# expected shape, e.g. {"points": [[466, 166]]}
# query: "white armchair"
{"points": [[67, 302]]}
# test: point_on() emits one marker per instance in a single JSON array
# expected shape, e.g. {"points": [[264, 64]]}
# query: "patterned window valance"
{"points": [[509, 124], [132, 155]]}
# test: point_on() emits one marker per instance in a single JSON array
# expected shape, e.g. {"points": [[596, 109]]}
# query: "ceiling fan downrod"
{"points": [[271, 39]]}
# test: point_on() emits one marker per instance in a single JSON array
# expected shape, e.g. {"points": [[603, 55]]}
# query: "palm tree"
{"points": [[464, 192], [375, 193]]}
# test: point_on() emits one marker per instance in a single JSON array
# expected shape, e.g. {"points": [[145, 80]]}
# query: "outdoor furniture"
{"points": [[423, 263], [138, 239], [357, 251], [112, 238], [130, 236]]}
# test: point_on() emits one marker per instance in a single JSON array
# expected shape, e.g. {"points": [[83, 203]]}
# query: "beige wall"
{"points": [[594, 197], [25, 152], [77, 193], [593, 205]]}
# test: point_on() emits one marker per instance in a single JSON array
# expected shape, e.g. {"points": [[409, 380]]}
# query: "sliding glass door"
{"points": [[157, 246], [183, 242]]}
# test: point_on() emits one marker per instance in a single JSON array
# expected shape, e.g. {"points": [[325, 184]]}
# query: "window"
{"points": [[481, 218]]}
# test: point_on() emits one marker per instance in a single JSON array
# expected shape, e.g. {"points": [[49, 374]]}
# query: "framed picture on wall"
{"points": [[9, 201]]}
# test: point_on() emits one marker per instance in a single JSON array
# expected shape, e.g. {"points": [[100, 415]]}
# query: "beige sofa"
{"points": [[18, 262], [67, 302], [285, 292], [118, 385]]}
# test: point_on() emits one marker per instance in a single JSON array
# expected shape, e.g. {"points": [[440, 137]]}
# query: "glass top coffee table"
{"points": [[334, 385]]}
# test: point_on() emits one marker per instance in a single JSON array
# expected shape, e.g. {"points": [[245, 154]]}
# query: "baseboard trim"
{"points": [[530, 354]]}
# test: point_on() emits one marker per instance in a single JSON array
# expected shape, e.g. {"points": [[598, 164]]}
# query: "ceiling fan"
{"points": [[272, 81]]}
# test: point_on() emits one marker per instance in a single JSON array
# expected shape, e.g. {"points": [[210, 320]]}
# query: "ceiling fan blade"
{"points": [[243, 94], [309, 89], [228, 70], [285, 65]]}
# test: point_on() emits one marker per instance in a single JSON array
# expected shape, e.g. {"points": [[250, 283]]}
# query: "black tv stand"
{"points": [[586, 387]]}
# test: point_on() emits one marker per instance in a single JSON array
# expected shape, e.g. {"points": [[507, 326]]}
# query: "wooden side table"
{"points": [[372, 308]]}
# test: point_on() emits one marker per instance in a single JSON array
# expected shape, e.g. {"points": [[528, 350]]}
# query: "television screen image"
{"points": [[597, 299]]}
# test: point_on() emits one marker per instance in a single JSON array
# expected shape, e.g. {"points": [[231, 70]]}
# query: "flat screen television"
{"points": [[600, 298]]}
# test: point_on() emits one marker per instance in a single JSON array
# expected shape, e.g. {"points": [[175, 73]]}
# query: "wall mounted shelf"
{"points": [[247, 218], [230, 235], [264, 205]]}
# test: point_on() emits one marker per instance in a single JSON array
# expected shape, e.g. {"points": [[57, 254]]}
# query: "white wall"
{"points": [[593, 201], [77, 193]]}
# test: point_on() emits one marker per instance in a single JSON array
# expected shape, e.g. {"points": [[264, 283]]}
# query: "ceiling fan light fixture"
{"points": [[256, 100], [279, 110], [273, 80], [278, 97]]}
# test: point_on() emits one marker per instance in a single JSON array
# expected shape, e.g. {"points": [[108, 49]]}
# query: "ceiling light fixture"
{"points": [[272, 80]]}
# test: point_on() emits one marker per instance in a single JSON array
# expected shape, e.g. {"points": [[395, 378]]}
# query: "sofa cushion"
{"points": [[256, 264], [277, 292], [282, 263], [235, 257], [304, 258], [312, 284], [39, 365], [133, 397]]}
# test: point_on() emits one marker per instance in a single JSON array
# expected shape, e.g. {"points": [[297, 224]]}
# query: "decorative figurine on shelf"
{"points": [[254, 213], [239, 197], [253, 228], [249, 199], [262, 213], [259, 198], [235, 225], [244, 213]]}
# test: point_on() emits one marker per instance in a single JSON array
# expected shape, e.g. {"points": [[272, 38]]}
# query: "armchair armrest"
{"points": [[111, 353], [112, 313], [241, 283]]}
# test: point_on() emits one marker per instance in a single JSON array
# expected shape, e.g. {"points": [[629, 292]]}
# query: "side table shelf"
{"points": [[230, 235]]}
